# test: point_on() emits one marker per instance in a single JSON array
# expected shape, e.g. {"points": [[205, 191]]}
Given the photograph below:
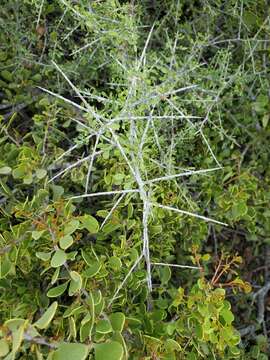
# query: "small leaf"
{"points": [[265, 121], [111, 350], [165, 274], [17, 338], [28, 178], [92, 270], [75, 284], [227, 315], [172, 345], [4, 347], [14, 324], [206, 257], [19, 172], [87, 258], [59, 258], [55, 275], [43, 256], [103, 327], [5, 170], [115, 263], [58, 191], [66, 241], [37, 234], [239, 209], [71, 351], [5, 267], [47, 317], [7, 75], [71, 226], [41, 173], [72, 328], [118, 321], [57, 290], [90, 223]]}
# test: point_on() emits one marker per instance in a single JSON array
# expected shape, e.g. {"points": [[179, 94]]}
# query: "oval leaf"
{"points": [[111, 350], [47, 317], [71, 352], [90, 223], [5, 170], [43, 256], [103, 327], [118, 321], [58, 290], [59, 258], [4, 348], [71, 226], [75, 284], [66, 241]]}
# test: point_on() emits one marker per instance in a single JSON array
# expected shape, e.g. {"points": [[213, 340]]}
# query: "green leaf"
{"points": [[41, 173], [59, 258], [58, 191], [75, 283], [239, 209], [14, 324], [227, 315], [4, 347], [5, 170], [44, 256], [265, 121], [90, 223], [172, 345], [57, 290], [7, 75], [115, 263], [55, 275], [71, 351], [118, 321], [103, 327], [71, 226], [28, 178], [5, 267], [111, 350], [92, 270], [87, 258], [165, 274], [37, 234], [17, 338], [47, 317], [19, 172], [66, 241]]}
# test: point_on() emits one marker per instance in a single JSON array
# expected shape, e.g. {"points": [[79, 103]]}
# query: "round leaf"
{"points": [[5, 170], [71, 226], [4, 348], [75, 284], [227, 315], [41, 173], [93, 269], [37, 234], [118, 321], [103, 327], [71, 352], [43, 256], [66, 241], [47, 317], [57, 290], [59, 258], [90, 223], [111, 350]]}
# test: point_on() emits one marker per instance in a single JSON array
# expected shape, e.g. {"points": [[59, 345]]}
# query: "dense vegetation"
{"points": [[134, 179]]}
